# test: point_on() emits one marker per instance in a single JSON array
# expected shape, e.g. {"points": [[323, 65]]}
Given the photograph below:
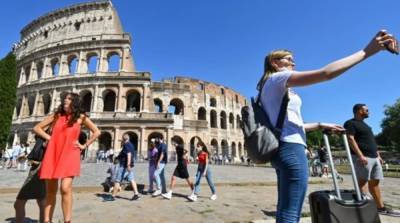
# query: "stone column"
{"points": [[117, 139], [103, 65], [95, 99], [25, 107], [22, 77], [14, 117], [143, 140], [53, 104], [16, 138], [63, 69], [33, 72], [144, 99], [168, 141], [46, 70], [36, 105], [81, 63], [119, 102]]}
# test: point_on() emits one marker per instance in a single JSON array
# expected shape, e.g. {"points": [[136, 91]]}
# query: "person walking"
{"points": [[366, 157], [180, 171], [203, 170], [61, 161], [152, 157], [126, 164], [277, 83], [161, 162]]}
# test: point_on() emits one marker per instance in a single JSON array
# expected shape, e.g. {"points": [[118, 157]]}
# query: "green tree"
{"points": [[391, 125], [8, 86], [314, 138]]}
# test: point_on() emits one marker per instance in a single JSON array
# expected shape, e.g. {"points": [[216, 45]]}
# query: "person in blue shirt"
{"points": [[161, 162], [125, 169]]}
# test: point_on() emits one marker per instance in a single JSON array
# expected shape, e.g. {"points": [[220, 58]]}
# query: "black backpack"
{"points": [[261, 138]]}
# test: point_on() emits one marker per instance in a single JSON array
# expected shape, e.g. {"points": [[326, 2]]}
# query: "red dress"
{"points": [[62, 157]]}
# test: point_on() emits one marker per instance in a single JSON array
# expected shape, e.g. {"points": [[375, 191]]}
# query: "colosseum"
{"points": [[84, 49]]}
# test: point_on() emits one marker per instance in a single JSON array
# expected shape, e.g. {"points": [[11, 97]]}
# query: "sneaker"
{"points": [[192, 197], [135, 197], [156, 193], [167, 195], [389, 212], [213, 197]]}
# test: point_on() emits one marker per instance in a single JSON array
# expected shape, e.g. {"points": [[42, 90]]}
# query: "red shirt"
{"points": [[202, 156]]}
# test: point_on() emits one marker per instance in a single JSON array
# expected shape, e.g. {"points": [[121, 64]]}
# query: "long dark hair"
{"points": [[76, 107], [203, 147]]}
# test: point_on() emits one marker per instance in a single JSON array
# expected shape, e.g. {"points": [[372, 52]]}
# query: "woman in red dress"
{"points": [[62, 157]]}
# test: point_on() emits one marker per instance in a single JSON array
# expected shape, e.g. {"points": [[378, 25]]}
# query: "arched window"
{"points": [[92, 63], [231, 120], [213, 102], [39, 70], [133, 101], [31, 104], [158, 105], [27, 73], [153, 136], [178, 140], [213, 119], [214, 147], [55, 67], [176, 106], [223, 120], [238, 122], [225, 148], [233, 147], [19, 105], [202, 114], [86, 99], [46, 103], [105, 141], [72, 64], [109, 98], [113, 62]]}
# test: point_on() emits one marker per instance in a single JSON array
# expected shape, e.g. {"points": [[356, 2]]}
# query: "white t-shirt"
{"points": [[271, 97]]}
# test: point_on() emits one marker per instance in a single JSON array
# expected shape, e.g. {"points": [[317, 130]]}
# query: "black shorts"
{"points": [[33, 187]]}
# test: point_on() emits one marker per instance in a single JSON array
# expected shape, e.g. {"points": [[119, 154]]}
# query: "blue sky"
{"points": [[225, 41]]}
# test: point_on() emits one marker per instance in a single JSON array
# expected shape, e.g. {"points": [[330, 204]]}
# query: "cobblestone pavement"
{"points": [[244, 194]]}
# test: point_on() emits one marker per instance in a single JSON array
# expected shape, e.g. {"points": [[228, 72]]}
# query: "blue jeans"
{"points": [[123, 173], [291, 168], [199, 174], [159, 176]]}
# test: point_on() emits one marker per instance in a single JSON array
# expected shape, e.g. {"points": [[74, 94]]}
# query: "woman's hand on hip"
{"points": [[80, 146]]}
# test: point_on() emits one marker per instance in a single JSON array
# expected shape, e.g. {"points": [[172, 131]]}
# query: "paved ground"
{"points": [[244, 194]]}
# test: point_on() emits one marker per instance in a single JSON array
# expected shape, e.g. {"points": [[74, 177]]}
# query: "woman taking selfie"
{"points": [[62, 157], [290, 161]]}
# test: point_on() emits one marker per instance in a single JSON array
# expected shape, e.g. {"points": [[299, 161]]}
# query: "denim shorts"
{"points": [[123, 173]]}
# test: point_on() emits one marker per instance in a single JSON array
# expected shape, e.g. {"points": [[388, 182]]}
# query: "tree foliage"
{"points": [[8, 86], [390, 135]]}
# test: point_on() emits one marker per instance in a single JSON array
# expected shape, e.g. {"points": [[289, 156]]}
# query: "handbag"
{"points": [[38, 150]]}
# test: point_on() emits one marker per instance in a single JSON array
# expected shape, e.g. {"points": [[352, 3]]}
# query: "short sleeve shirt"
{"points": [[363, 135], [123, 156], [271, 97]]}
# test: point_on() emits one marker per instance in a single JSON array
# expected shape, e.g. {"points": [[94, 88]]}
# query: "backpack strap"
{"points": [[282, 113]]}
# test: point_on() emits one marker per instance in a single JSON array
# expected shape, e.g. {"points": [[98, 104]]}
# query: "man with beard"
{"points": [[366, 158]]}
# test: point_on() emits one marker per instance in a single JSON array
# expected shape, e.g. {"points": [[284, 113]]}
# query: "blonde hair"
{"points": [[268, 68]]}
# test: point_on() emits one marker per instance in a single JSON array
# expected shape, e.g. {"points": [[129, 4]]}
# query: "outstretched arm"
{"points": [[338, 67]]}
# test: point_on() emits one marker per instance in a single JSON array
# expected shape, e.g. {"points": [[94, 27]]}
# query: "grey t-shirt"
{"points": [[271, 97]]}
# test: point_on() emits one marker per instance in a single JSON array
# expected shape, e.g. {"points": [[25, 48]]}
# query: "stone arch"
{"points": [[133, 101], [240, 149], [223, 119], [202, 114], [224, 147], [105, 141], [19, 106], [72, 64], [86, 100], [176, 106], [214, 147], [213, 119], [55, 66], [213, 102], [113, 62], [158, 105], [46, 103], [23, 138], [231, 121], [233, 149], [39, 69], [31, 104], [109, 100], [178, 140], [92, 62], [27, 73], [238, 122]]}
